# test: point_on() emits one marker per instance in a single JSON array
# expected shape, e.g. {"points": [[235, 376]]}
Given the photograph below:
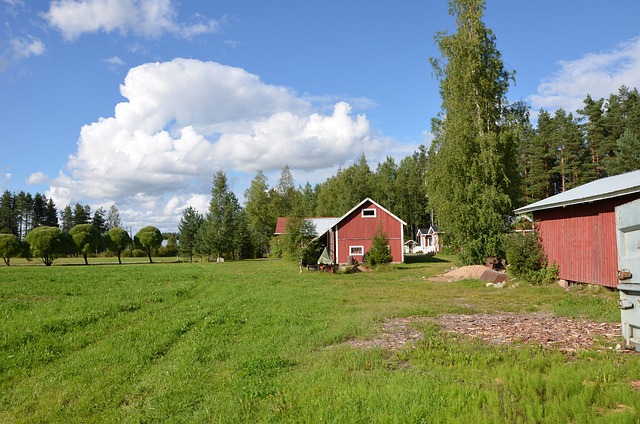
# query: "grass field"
{"points": [[257, 341]]}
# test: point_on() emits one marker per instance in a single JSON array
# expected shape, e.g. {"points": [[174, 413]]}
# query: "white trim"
{"points": [[361, 248], [368, 215], [402, 242]]}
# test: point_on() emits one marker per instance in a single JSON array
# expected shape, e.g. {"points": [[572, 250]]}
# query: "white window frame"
{"points": [[361, 249], [375, 213]]}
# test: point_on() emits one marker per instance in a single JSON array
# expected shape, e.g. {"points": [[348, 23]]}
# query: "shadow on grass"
{"points": [[419, 259]]}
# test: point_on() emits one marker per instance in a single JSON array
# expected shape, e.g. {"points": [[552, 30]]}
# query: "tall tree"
{"points": [[473, 173], [627, 154], [261, 217], [113, 218], [218, 235], [66, 216], [8, 221], [190, 224], [81, 214], [51, 219], [39, 210]]}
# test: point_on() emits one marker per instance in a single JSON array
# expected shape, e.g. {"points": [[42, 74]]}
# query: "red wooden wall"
{"points": [[354, 230], [581, 239]]}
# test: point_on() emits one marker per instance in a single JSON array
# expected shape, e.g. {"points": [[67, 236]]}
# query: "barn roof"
{"points": [[322, 224], [604, 188]]}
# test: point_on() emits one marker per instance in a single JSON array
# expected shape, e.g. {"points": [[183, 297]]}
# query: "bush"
{"points": [[379, 254], [527, 260]]}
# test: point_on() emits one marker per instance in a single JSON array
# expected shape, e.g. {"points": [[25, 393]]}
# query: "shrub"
{"points": [[527, 260], [379, 254]]}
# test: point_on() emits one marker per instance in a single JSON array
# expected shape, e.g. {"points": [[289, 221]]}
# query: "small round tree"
{"points": [[149, 238], [379, 254], [86, 239], [10, 247], [46, 243], [117, 241]]}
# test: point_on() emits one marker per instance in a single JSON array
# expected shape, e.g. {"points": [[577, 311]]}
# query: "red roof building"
{"points": [[578, 228], [352, 234]]}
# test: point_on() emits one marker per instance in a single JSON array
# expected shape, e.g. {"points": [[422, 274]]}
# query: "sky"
{"points": [[138, 103]]}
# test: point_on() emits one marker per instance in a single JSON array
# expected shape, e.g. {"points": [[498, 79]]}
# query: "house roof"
{"points": [[604, 188], [431, 230], [338, 220], [321, 224]]}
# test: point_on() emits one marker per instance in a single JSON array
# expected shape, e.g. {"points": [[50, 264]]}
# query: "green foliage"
{"points": [[86, 239], [48, 243], [627, 156], [188, 228], [379, 254], [10, 247], [217, 237], [117, 240], [148, 238], [527, 260], [472, 178], [298, 234]]}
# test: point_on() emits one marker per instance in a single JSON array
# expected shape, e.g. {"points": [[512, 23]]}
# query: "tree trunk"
{"points": [[86, 262], [119, 261]]}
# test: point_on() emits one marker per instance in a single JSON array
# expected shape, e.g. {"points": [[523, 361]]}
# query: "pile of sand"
{"points": [[464, 273]]}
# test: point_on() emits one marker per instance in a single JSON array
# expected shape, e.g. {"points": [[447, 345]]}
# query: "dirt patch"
{"points": [[543, 328], [462, 273]]}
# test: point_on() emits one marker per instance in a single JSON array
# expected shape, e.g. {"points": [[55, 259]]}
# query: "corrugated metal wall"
{"points": [[355, 230], [581, 239]]}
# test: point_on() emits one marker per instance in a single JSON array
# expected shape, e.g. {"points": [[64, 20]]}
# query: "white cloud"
{"points": [[25, 47], [147, 18], [114, 61], [37, 178], [185, 119], [597, 74]]}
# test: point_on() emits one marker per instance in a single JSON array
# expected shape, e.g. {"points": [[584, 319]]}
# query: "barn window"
{"points": [[356, 250], [368, 213]]}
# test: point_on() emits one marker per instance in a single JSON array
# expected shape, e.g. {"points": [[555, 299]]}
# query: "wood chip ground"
{"points": [[543, 328]]}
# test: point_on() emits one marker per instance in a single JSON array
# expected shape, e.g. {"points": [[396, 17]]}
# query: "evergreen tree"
{"points": [[470, 176], [190, 224], [379, 253], [218, 234], [51, 219], [81, 215], [8, 221], [66, 216], [627, 154], [39, 211]]}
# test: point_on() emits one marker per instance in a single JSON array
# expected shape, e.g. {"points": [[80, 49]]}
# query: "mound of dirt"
{"points": [[462, 273]]}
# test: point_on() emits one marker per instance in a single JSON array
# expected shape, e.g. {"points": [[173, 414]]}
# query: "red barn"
{"points": [[351, 235], [578, 228]]}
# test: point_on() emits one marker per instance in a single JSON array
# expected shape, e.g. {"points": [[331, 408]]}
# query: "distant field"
{"points": [[257, 341]]}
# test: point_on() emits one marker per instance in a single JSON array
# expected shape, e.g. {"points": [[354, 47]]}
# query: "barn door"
{"points": [[628, 239]]}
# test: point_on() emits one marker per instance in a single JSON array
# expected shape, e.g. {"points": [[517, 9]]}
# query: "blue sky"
{"points": [[138, 102]]}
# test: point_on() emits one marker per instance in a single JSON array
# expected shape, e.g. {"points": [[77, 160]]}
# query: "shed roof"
{"points": [[322, 224], [604, 188]]}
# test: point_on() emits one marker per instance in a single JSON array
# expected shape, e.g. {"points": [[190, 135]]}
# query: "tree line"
{"points": [[486, 159]]}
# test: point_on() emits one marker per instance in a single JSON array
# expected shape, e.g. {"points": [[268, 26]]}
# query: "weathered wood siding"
{"points": [[581, 239], [355, 230]]}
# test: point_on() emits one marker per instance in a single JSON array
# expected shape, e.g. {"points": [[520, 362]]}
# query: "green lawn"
{"points": [[257, 341]]}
